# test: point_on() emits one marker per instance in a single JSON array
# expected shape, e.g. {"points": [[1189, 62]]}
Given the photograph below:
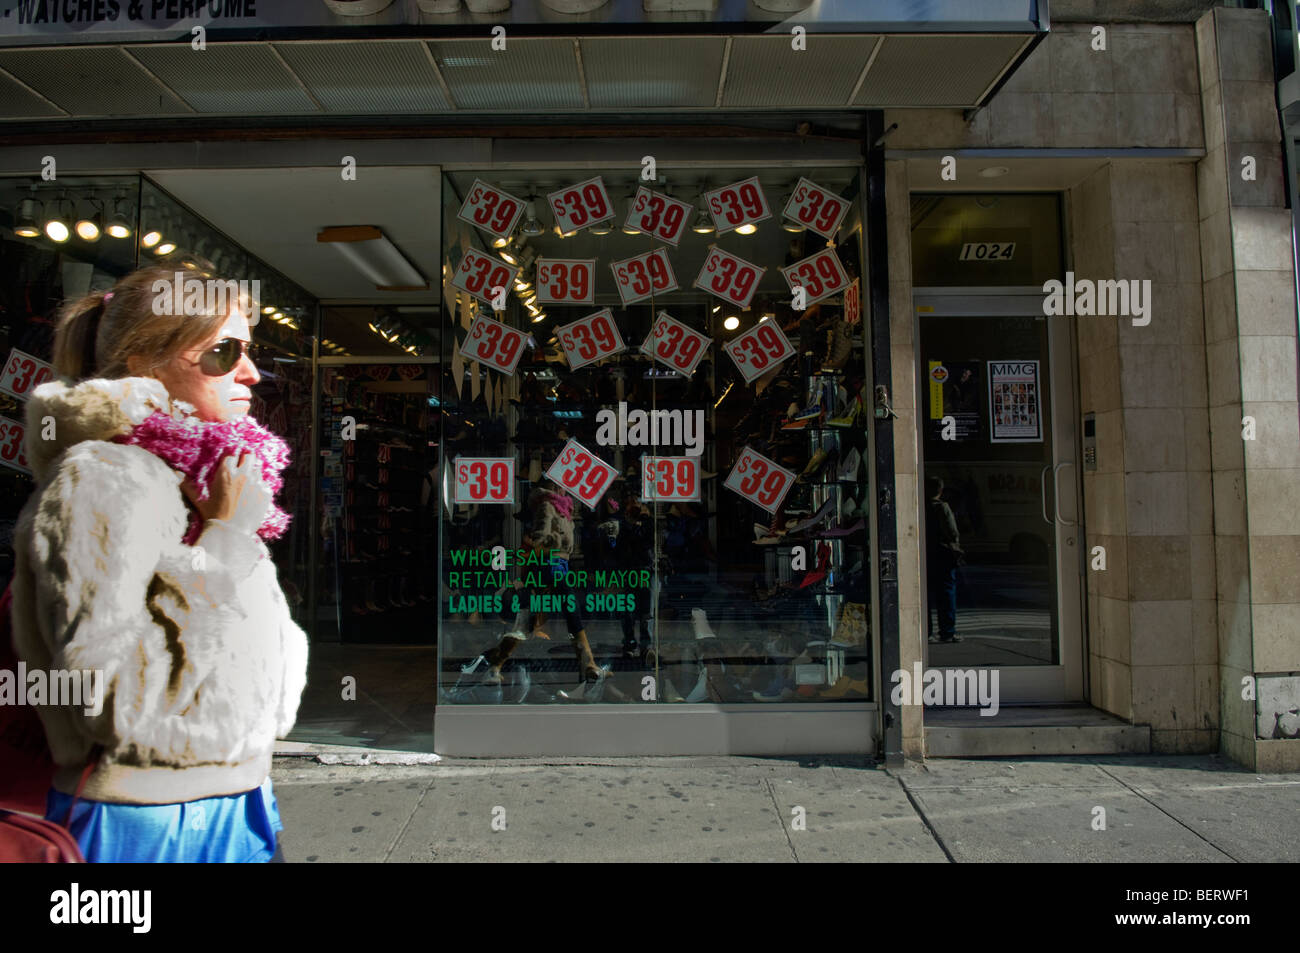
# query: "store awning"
{"points": [[913, 53]]}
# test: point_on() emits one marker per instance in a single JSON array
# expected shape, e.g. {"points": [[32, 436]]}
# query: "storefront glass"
{"points": [[654, 465]]}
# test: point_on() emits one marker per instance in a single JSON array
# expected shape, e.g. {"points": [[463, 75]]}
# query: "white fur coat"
{"points": [[203, 667]]}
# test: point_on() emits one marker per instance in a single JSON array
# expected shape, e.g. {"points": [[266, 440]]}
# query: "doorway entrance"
{"points": [[1003, 544]]}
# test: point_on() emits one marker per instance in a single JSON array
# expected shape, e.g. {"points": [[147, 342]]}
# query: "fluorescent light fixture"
{"points": [[368, 250]]}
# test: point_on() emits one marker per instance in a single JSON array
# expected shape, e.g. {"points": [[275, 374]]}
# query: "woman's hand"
{"points": [[236, 495]]}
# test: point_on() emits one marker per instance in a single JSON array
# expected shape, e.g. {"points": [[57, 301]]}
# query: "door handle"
{"points": [[1042, 494], [1056, 491]]}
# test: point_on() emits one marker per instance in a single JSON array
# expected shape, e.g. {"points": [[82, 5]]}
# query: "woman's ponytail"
{"points": [[76, 336]]}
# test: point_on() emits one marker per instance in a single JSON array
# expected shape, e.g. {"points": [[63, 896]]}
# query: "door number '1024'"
{"points": [[987, 251]]}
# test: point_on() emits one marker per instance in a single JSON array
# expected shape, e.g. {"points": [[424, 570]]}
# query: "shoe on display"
{"points": [[700, 622], [814, 465], [825, 511], [845, 687], [849, 417], [848, 470]]}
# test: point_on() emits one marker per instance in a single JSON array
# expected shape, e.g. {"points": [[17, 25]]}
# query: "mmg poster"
{"points": [[1015, 405]]}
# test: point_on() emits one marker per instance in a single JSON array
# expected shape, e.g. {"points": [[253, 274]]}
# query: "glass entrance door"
{"points": [[1000, 487]]}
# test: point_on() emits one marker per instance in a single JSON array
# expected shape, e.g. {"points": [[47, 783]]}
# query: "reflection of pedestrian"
{"points": [[943, 554]]}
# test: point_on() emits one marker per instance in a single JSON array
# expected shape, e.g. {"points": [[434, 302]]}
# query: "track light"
{"points": [[531, 226], [56, 225], [150, 238], [703, 224], [91, 221], [749, 228], [119, 223], [27, 226], [166, 248]]}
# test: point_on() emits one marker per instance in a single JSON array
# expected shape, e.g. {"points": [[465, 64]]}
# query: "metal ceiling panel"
{"points": [[766, 72], [19, 102], [374, 77], [964, 67], [662, 71], [535, 74], [92, 81], [230, 78]]}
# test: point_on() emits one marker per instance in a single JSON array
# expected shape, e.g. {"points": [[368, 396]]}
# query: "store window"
{"points": [[59, 240], [654, 465]]}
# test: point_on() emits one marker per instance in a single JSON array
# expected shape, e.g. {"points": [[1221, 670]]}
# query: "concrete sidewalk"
{"points": [[1157, 809]]}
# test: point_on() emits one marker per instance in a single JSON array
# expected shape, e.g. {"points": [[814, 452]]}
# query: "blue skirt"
{"points": [[239, 828]]}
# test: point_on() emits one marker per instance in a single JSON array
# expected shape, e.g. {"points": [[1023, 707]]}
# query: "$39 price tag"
{"points": [[494, 344], [815, 208], [731, 278], [640, 277], [578, 206], [582, 473], [760, 480], [485, 480], [490, 209], [12, 448], [590, 339], [759, 349], [675, 345], [23, 373], [741, 203], [669, 479], [820, 275], [566, 280], [659, 216], [480, 274]]}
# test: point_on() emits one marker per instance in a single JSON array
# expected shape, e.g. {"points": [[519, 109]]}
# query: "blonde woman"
{"points": [[140, 556]]}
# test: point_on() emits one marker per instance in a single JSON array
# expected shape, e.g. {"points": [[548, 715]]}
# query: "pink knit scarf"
{"points": [[196, 448]]}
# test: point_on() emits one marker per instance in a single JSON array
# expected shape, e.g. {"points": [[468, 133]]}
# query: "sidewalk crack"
{"points": [[925, 821], [780, 819], [397, 838], [1177, 820]]}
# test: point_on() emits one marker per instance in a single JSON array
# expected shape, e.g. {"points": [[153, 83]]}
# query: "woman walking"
{"points": [[140, 555]]}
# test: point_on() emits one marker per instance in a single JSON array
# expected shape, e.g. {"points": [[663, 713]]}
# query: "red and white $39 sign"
{"points": [[12, 450], [479, 274], [495, 344], [740, 203], [485, 479], [578, 206], [732, 279], [659, 216], [590, 339], [23, 373], [815, 208], [759, 350], [582, 473], [566, 280], [675, 345], [490, 209], [820, 275], [665, 479], [760, 480], [853, 303], [640, 277]]}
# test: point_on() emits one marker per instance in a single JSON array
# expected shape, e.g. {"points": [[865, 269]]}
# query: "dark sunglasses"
{"points": [[222, 357]]}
